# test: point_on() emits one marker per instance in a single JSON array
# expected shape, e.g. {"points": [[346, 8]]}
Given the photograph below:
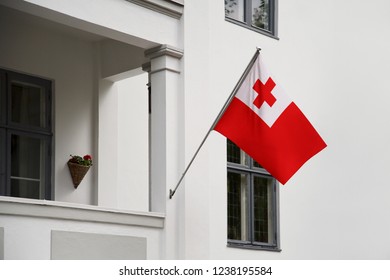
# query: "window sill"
{"points": [[172, 8], [255, 29], [253, 247], [77, 212]]}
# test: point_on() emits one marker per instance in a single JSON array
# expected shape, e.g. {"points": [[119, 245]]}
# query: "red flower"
{"points": [[87, 157]]}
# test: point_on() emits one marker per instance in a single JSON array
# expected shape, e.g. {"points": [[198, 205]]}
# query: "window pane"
{"points": [[235, 9], [25, 188], [256, 164], [263, 211], [260, 14], [237, 206], [27, 166], [235, 154], [2, 98], [2, 161], [27, 104]]}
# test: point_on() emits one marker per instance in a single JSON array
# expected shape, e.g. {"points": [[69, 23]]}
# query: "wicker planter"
{"points": [[77, 171]]}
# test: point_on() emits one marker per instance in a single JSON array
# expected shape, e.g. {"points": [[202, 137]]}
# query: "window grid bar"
{"points": [[25, 179]]}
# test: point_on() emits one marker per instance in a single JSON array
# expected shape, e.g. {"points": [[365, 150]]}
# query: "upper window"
{"points": [[25, 136], [259, 15], [252, 202]]}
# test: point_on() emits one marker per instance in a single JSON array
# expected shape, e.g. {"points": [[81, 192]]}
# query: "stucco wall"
{"points": [[67, 245], [332, 60]]}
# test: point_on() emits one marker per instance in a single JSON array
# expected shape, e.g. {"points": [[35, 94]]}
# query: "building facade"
{"points": [[137, 85]]}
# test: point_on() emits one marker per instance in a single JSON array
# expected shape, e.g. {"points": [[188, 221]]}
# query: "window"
{"points": [[25, 136], [258, 15], [252, 202]]}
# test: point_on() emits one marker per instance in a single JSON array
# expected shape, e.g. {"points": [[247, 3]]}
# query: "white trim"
{"points": [[164, 50], [170, 61], [172, 8], [77, 212]]}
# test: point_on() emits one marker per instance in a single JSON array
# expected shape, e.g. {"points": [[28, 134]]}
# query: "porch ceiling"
{"points": [[45, 24], [94, 24]]}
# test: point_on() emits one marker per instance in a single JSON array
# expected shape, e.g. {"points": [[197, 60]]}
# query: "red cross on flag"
{"points": [[264, 122]]}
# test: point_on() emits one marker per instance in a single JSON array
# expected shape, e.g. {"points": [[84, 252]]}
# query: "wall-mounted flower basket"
{"points": [[77, 172], [78, 167]]}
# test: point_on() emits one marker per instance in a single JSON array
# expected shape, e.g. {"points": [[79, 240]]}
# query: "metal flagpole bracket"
{"points": [[171, 193]]}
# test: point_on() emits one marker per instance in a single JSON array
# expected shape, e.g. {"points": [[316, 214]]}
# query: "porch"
{"points": [[100, 106]]}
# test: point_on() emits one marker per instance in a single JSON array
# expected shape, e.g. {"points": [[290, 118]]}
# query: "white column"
{"points": [[166, 122], [166, 144], [108, 145]]}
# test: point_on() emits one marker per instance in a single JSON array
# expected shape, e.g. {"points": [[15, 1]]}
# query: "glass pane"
{"points": [[2, 100], [2, 161], [27, 104], [237, 206], [260, 14], [263, 210], [235, 154], [256, 164], [25, 188], [235, 9], [27, 166]]}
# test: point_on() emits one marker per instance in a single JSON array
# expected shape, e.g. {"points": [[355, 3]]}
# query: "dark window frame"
{"points": [[253, 171], [9, 128], [247, 23]]}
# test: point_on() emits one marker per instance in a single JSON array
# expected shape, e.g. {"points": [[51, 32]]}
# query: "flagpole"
{"points": [[219, 116]]}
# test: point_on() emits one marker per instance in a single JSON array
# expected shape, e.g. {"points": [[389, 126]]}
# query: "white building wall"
{"points": [[199, 116], [332, 59]]}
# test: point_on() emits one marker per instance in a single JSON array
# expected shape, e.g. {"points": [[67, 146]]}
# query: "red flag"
{"points": [[263, 121]]}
